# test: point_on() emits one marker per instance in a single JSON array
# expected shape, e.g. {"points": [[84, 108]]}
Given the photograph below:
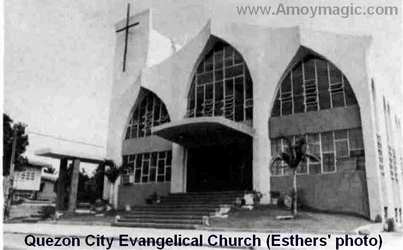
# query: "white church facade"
{"points": [[208, 116]]}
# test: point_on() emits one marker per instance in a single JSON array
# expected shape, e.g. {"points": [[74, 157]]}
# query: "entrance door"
{"points": [[219, 168]]}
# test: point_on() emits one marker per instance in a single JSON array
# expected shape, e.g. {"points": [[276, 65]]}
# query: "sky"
{"points": [[58, 57]]}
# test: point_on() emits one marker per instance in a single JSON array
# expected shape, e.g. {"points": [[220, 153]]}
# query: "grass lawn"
{"points": [[263, 219]]}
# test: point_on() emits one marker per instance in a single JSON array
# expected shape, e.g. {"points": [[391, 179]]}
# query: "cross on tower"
{"points": [[126, 30]]}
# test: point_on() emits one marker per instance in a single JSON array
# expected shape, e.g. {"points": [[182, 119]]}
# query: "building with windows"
{"points": [[27, 182], [209, 116]]}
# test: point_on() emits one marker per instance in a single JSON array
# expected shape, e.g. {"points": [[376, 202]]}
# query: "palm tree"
{"points": [[293, 155]]}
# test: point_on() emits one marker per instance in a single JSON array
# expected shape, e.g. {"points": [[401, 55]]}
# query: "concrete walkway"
{"points": [[19, 231]]}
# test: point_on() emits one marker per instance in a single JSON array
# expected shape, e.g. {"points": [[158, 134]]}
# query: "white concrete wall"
{"points": [[267, 52], [350, 55]]}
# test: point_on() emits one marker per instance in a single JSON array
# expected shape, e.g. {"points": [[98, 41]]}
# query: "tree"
{"points": [[99, 180], [22, 143], [293, 155], [112, 173]]}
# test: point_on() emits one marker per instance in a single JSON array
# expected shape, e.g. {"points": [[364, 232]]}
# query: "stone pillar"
{"points": [[74, 185], [61, 184], [261, 161], [261, 144], [178, 179]]}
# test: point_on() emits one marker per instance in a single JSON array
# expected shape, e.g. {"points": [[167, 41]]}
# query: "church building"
{"points": [[208, 115]]}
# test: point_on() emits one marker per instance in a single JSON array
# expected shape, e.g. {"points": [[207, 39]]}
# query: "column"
{"points": [[178, 179], [61, 185], [261, 147], [74, 185], [261, 161]]}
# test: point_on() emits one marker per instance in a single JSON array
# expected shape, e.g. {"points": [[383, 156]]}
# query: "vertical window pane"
{"points": [[248, 85], [350, 97], [328, 162], [314, 168], [200, 68], [355, 139], [286, 108], [137, 176], [161, 165], [145, 167], [139, 161], [199, 100], [237, 57], [148, 114], [314, 148], [323, 84], [153, 174], [154, 156], [239, 101], [309, 70], [297, 79], [169, 158], [219, 75], [286, 84], [168, 174], [335, 74], [341, 149], [327, 142], [276, 107], [223, 68], [338, 99], [299, 106], [218, 110], [218, 60]]}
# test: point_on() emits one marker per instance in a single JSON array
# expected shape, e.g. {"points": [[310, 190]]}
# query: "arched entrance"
{"points": [[315, 100], [147, 159], [217, 128]]}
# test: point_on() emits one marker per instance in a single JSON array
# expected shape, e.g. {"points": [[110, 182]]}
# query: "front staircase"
{"points": [[180, 210]]}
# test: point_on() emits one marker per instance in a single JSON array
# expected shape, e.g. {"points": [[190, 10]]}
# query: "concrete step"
{"points": [[179, 205], [174, 212], [162, 220], [164, 216], [179, 210], [210, 193], [155, 225], [200, 198], [201, 203]]}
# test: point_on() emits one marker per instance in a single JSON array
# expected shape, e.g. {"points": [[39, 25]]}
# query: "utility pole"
{"points": [[11, 173]]}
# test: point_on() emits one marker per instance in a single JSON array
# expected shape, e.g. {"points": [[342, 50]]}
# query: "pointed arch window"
{"points": [[149, 112], [221, 86], [313, 84]]}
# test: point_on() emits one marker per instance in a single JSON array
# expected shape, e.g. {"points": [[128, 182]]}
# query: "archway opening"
{"points": [[221, 92], [315, 100]]}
